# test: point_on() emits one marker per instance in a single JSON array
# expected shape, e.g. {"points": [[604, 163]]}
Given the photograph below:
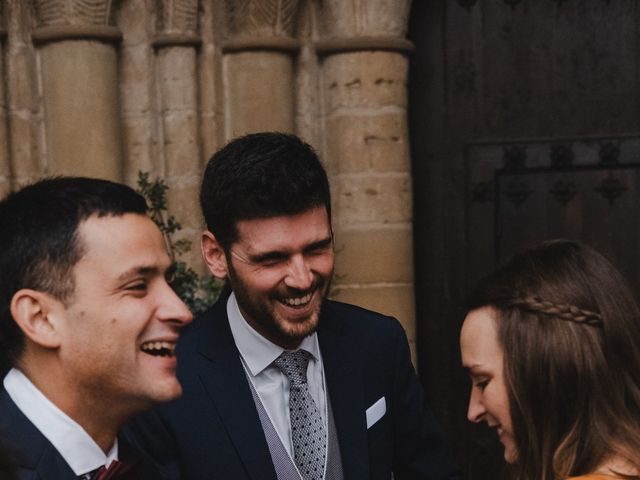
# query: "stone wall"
{"points": [[107, 88]]}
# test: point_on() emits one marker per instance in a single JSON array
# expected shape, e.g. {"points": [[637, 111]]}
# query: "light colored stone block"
{"points": [[82, 109], [136, 79], [135, 27], [348, 18], [177, 67], [368, 143], [258, 92], [369, 198], [372, 256], [22, 79], [139, 144], [182, 156], [25, 154], [182, 200], [365, 79]]}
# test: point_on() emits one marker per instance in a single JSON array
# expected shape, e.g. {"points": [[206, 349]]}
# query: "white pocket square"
{"points": [[375, 412]]}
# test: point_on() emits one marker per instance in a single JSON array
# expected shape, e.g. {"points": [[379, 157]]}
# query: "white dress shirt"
{"points": [[71, 441], [258, 354]]}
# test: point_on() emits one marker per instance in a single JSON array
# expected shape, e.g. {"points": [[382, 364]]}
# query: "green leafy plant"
{"points": [[198, 292]]}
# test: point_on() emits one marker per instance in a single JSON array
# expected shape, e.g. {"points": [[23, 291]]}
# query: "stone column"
{"points": [[364, 75], [258, 66], [176, 46], [24, 111], [76, 42], [5, 166]]}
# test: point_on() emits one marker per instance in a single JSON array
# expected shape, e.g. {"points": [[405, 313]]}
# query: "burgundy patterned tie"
{"points": [[116, 468]]}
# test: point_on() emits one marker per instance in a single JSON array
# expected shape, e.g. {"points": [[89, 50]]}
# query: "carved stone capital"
{"points": [[262, 25], [75, 19], [177, 23], [372, 19]]}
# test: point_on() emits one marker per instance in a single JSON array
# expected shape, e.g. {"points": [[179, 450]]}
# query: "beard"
{"points": [[266, 312]]}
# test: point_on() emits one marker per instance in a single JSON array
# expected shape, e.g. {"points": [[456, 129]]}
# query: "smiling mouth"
{"points": [[159, 349], [297, 301]]}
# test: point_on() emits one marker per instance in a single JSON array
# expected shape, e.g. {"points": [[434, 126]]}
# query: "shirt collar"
{"points": [[73, 443], [256, 351]]}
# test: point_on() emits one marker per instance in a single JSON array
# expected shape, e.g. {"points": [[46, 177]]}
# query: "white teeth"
{"points": [[159, 348], [296, 301]]}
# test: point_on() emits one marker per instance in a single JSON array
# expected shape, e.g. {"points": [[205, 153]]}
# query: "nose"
{"points": [[172, 309], [299, 274], [476, 410]]}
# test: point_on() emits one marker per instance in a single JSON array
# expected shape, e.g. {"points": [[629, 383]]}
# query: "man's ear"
{"points": [[34, 312], [213, 255]]}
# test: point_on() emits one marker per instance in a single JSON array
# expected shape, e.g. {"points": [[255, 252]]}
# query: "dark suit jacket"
{"points": [[32, 457], [214, 432]]}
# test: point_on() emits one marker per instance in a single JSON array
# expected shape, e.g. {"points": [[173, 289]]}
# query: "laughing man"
{"points": [[89, 325], [279, 381]]}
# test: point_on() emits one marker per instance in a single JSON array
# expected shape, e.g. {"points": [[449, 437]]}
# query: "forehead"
{"points": [[284, 232], [479, 339], [116, 243]]}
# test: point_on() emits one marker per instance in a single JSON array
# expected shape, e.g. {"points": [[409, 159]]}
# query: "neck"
{"points": [[96, 416]]}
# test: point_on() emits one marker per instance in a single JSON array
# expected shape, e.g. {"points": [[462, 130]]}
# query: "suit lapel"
{"points": [[223, 376], [31, 451], [345, 383]]}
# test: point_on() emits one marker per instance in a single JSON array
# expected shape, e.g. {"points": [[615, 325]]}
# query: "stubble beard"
{"points": [[267, 322]]}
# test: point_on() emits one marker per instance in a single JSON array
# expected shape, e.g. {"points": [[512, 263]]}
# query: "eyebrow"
{"points": [[278, 254], [475, 369], [325, 242], [145, 271]]}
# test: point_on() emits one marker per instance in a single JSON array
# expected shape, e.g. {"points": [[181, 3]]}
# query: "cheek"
{"points": [[265, 281], [323, 265], [500, 402]]}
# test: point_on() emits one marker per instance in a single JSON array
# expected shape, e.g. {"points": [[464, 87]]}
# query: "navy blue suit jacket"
{"points": [[214, 432], [33, 457]]}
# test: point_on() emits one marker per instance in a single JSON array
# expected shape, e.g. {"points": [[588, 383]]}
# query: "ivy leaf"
{"points": [[199, 293]]}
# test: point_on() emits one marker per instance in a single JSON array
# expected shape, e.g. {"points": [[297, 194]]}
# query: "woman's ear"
{"points": [[213, 255], [34, 312]]}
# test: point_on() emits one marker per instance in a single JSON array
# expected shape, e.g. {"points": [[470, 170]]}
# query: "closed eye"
{"points": [[137, 287], [272, 258], [319, 248], [481, 385]]}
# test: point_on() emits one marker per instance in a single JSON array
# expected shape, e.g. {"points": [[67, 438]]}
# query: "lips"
{"points": [[299, 301], [159, 348]]}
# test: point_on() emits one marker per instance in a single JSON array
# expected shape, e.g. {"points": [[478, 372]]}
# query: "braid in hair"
{"points": [[562, 311]]}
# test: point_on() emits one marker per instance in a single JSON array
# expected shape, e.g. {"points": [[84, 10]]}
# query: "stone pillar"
{"points": [[5, 167], [176, 45], [258, 66], [24, 121], [76, 42], [364, 76]]}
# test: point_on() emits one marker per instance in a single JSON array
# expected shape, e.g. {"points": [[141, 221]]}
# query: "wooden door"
{"points": [[524, 126]]}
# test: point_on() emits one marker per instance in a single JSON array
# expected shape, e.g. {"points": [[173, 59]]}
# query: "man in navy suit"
{"points": [[278, 381], [89, 325]]}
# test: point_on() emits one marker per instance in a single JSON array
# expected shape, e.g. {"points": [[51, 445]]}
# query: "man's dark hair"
{"points": [[39, 239], [261, 175]]}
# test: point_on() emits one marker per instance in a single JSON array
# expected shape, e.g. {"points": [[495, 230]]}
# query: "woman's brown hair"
{"points": [[570, 331]]}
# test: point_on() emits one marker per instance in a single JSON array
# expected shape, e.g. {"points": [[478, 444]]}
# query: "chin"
{"points": [[171, 391], [510, 455], [299, 330]]}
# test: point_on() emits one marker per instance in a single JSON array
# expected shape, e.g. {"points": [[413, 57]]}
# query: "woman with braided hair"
{"points": [[552, 345]]}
